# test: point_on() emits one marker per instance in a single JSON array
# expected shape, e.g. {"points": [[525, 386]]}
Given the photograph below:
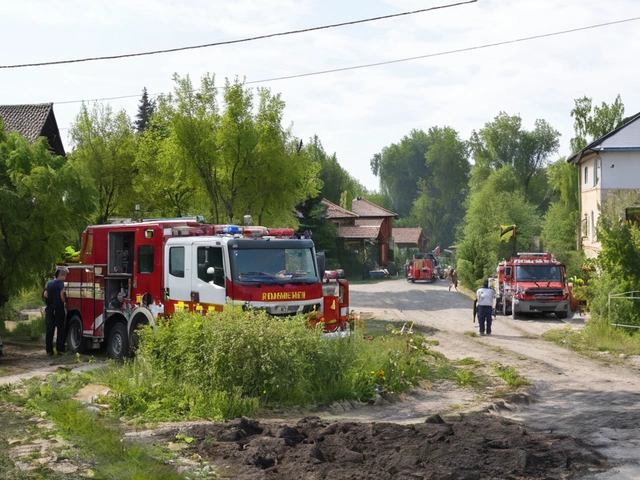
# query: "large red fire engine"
{"points": [[131, 273], [532, 283]]}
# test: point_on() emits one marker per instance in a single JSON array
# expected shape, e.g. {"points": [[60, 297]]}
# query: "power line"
{"points": [[243, 40], [448, 52], [407, 59]]}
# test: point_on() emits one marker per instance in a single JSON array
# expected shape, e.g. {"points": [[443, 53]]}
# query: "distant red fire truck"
{"points": [[532, 283], [131, 273], [423, 266]]}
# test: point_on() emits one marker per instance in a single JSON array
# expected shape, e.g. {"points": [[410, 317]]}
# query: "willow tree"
{"points": [[105, 145], [45, 202], [239, 154]]}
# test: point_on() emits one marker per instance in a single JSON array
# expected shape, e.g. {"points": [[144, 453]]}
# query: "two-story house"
{"points": [[609, 178]]}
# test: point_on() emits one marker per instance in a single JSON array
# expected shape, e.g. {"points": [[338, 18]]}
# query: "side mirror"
{"points": [[321, 264]]}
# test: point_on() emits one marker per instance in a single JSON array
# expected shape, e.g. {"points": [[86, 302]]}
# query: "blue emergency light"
{"points": [[230, 229]]}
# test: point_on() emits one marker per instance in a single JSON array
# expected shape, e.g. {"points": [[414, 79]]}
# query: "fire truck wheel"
{"points": [[75, 342], [514, 313], [118, 345], [562, 315]]}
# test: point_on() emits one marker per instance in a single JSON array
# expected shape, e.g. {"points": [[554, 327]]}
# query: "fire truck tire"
{"points": [[75, 342], [118, 343], [514, 313], [562, 315]]}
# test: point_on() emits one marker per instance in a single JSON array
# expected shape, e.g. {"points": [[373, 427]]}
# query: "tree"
{"points": [[499, 201], [104, 144], [335, 181], [146, 109], [162, 184], [440, 206], [45, 201], [400, 166], [244, 160], [561, 219], [504, 142], [589, 126]]}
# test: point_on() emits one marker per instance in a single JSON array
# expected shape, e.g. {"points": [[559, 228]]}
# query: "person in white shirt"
{"points": [[485, 297]]}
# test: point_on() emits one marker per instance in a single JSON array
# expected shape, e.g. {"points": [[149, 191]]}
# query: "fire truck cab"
{"points": [[532, 283], [131, 273]]}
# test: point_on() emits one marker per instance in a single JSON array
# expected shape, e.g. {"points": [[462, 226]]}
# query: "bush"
{"points": [[228, 364]]}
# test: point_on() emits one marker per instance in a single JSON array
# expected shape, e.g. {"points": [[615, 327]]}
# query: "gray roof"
{"points": [[33, 121], [625, 137]]}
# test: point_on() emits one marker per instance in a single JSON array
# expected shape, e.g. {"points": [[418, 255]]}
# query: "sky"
{"points": [[355, 112]]}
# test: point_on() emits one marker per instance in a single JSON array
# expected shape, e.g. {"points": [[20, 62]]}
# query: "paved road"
{"points": [[596, 400]]}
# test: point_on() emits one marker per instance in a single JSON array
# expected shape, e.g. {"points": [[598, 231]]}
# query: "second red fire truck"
{"points": [[131, 273], [532, 283]]}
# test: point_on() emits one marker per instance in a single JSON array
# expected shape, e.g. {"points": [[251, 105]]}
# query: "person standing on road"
{"points": [[55, 297], [454, 279], [485, 297]]}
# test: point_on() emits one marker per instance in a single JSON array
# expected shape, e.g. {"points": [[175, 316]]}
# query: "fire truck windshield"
{"points": [[536, 273], [278, 266]]}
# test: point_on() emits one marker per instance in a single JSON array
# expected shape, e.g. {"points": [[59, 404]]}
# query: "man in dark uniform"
{"points": [[55, 297]]}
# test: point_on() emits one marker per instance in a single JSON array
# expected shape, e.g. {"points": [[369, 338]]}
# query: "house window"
{"points": [[586, 175], [593, 226], [585, 225], [596, 173]]}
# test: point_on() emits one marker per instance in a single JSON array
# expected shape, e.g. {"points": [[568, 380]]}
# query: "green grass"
{"points": [[596, 336], [510, 375], [96, 440]]}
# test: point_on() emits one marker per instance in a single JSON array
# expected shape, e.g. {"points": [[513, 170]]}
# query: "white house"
{"points": [[609, 179]]}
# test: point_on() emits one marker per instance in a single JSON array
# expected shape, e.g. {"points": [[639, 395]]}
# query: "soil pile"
{"points": [[478, 446]]}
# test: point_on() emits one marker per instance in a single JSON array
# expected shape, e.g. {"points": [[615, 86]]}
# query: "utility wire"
{"points": [[448, 52], [355, 67], [242, 40]]}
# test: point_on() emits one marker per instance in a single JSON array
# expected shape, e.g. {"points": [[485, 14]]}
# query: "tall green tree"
{"points": [[162, 184], [45, 202], [336, 182], [561, 219], [104, 144], [240, 155], [499, 201], [146, 109], [591, 123], [400, 167], [441, 204], [504, 141]]}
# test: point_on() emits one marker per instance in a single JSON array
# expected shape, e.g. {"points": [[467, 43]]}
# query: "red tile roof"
{"points": [[407, 236], [370, 233], [336, 211], [364, 208]]}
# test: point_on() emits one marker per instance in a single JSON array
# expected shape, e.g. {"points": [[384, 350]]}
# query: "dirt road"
{"points": [[596, 401]]}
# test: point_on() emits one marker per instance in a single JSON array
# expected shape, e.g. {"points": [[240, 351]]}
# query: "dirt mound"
{"points": [[471, 447]]}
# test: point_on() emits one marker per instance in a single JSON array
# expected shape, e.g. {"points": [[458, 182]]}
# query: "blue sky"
{"points": [[357, 112]]}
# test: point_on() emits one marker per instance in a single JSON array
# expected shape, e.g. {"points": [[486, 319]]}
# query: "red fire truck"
{"points": [[532, 283], [131, 273], [423, 266]]}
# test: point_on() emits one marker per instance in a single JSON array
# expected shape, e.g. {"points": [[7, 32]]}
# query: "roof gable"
{"points": [[364, 208], [336, 211], [625, 137], [32, 122], [406, 235]]}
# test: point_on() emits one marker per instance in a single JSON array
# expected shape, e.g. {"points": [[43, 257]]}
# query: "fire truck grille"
{"points": [[544, 292]]}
